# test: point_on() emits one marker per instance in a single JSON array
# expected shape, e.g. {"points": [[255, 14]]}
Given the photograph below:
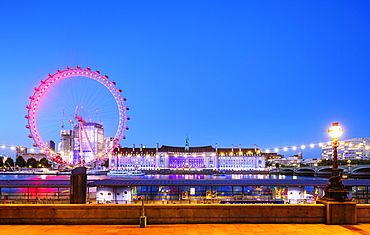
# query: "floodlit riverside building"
{"points": [[188, 158], [356, 148], [88, 141], [23, 152]]}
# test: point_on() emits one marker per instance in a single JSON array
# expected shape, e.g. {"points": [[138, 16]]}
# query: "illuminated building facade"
{"points": [[87, 142], [51, 145], [66, 145], [191, 158], [108, 143], [23, 152], [93, 143], [356, 148], [19, 151]]}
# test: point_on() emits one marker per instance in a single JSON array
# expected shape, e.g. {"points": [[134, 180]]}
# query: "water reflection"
{"points": [[184, 176]]}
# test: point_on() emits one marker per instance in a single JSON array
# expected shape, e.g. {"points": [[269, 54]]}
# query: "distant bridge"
{"points": [[353, 171]]}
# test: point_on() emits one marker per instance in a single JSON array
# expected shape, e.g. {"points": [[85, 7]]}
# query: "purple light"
{"points": [[182, 162]]}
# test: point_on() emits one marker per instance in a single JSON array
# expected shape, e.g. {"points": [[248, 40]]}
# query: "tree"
{"points": [[20, 161], [1, 162], [44, 162], [105, 163], [326, 162], [9, 162], [31, 162], [268, 163]]}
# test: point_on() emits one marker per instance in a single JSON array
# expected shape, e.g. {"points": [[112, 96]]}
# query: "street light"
{"points": [[349, 167], [335, 190]]}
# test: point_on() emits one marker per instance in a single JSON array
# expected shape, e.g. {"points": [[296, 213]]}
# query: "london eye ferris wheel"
{"points": [[77, 116]]}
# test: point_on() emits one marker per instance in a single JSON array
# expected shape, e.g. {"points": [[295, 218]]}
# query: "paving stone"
{"points": [[187, 229]]}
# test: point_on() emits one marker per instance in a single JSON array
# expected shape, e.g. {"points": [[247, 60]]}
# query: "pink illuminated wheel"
{"points": [[77, 116]]}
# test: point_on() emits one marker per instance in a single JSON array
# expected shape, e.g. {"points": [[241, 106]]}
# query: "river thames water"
{"points": [[185, 176]]}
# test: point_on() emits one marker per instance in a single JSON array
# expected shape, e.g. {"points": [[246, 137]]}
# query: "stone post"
{"points": [[340, 212], [78, 186], [142, 216]]}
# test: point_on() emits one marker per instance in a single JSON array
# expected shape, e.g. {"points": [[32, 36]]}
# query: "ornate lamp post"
{"points": [[335, 190]]}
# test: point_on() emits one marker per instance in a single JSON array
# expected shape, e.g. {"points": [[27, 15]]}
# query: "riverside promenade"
{"points": [[187, 229]]}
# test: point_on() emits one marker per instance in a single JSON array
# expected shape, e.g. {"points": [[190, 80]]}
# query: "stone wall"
{"points": [[69, 214], [363, 213], [160, 214], [236, 214]]}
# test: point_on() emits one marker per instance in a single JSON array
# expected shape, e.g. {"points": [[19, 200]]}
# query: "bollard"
{"points": [[142, 217], [142, 221]]}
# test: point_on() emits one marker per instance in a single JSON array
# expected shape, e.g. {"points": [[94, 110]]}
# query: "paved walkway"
{"points": [[187, 229]]}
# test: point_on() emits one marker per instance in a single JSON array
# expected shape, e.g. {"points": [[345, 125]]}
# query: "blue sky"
{"points": [[271, 73]]}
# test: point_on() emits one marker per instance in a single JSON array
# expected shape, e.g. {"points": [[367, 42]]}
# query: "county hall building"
{"points": [[235, 158]]}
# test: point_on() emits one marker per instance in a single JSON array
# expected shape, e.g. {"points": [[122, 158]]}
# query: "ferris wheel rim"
{"points": [[59, 76]]}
